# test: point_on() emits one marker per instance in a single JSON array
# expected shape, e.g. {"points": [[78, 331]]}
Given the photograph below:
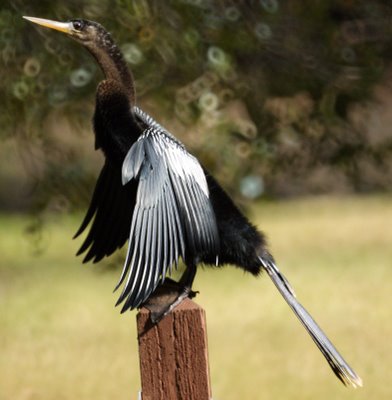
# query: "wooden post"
{"points": [[173, 354]]}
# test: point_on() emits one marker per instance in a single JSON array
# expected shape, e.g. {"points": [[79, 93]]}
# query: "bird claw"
{"points": [[158, 316], [167, 297]]}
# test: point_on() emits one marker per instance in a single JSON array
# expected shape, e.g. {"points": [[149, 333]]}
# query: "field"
{"points": [[61, 337]]}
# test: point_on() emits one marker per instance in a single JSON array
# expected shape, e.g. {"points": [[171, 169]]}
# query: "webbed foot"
{"points": [[165, 298]]}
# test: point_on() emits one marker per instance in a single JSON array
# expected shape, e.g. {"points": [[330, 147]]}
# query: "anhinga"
{"points": [[152, 192]]}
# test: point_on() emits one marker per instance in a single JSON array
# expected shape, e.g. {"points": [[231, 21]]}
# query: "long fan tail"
{"points": [[339, 366]]}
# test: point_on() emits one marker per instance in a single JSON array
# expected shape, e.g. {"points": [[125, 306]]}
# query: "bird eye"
{"points": [[78, 25]]}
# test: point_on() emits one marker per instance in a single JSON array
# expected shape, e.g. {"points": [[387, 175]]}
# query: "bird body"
{"points": [[156, 195]]}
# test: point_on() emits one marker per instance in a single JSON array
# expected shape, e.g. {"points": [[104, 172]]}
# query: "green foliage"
{"points": [[263, 88]]}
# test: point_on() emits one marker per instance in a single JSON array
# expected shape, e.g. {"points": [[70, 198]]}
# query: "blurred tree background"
{"points": [[277, 98]]}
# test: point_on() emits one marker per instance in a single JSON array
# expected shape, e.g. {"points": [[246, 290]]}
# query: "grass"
{"points": [[61, 338]]}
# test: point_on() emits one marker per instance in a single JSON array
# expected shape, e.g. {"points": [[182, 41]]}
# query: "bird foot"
{"points": [[157, 316], [166, 297]]}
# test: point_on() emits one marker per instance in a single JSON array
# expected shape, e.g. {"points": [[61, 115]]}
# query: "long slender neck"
{"points": [[113, 65]]}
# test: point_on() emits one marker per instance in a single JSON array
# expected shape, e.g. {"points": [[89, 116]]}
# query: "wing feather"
{"points": [[105, 214], [150, 248], [132, 256], [136, 265], [109, 215], [172, 214], [170, 228], [159, 201], [101, 183]]}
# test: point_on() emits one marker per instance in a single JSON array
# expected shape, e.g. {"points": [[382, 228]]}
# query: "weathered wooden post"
{"points": [[173, 354]]}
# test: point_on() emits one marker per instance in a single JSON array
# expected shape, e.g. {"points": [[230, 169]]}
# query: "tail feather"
{"points": [[339, 366]]}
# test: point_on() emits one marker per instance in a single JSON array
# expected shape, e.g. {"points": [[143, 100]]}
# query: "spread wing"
{"points": [[173, 216], [110, 212], [159, 200]]}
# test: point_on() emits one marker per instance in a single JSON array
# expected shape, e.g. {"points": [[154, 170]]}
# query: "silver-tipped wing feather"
{"points": [[172, 212]]}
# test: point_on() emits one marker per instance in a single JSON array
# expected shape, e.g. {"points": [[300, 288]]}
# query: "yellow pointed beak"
{"points": [[65, 27]]}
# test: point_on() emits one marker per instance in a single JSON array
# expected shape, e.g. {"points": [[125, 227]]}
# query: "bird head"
{"points": [[81, 30], [100, 44]]}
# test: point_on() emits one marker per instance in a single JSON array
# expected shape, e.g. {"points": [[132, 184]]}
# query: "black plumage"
{"points": [[156, 195]]}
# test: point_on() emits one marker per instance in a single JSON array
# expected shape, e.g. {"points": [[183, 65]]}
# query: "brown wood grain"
{"points": [[174, 355]]}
